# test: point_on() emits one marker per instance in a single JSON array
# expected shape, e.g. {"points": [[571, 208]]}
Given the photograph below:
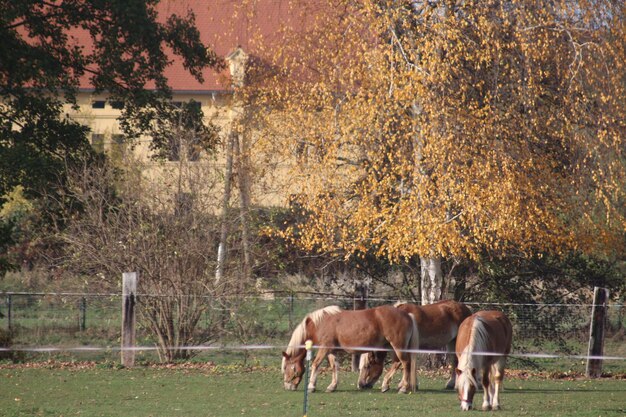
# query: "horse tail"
{"points": [[414, 345]]}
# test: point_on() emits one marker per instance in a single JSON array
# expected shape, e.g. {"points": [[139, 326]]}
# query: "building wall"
{"points": [[208, 172], [95, 112]]}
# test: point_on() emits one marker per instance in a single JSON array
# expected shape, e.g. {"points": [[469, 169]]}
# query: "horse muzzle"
{"points": [[363, 385], [289, 386], [466, 405]]}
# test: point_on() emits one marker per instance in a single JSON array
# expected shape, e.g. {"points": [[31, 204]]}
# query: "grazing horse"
{"points": [[353, 331], [293, 358], [487, 332], [437, 325]]}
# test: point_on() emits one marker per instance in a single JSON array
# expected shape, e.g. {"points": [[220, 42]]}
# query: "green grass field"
{"points": [[228, 391]]}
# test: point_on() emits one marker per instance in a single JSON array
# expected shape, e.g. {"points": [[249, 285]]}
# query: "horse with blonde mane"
{"points": [[293, 357], [355, 331], [437, 325], [483, 343]]}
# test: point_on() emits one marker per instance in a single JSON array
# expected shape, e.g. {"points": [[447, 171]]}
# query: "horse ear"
{"points": [[474, 372], [458, 372], [285, 355]]}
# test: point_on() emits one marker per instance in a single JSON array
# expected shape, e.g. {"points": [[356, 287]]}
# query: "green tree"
{"points": [[16, 225], [42, 63]]}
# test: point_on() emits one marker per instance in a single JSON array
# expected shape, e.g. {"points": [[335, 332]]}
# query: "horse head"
{"points": [[371, 368], [293, 370], [466, 387]]}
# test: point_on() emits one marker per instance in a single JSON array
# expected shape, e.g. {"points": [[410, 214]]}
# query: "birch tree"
{"points": [[236, 154], [451, 129]]}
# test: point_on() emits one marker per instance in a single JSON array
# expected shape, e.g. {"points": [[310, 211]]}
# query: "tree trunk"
{"points": [[244, 202], [431, 290], [359, 302], [221, 251], [431, 280]]}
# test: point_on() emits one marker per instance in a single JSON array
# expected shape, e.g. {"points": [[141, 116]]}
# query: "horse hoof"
{"points": [[331, 389], [486, 407], [311, 390], [402, 390], [384, 389]]}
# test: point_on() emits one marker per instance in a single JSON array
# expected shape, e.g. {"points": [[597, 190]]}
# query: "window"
{"points": [[182, 141], [98, 104], [118, 105], [191, 103], [97, 142], [118, 146], [191, 148]]}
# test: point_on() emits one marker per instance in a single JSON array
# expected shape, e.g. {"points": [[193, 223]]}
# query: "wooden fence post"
{"points": [[82, 314], [9, 310], [290, 310], [596, 332], [359, 297], [129, 290]]}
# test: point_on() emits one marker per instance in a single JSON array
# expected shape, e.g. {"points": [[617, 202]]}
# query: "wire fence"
{"points": [[94, 320]]}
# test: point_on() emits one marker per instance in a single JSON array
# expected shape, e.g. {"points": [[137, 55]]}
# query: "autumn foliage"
{"points": [[449, 128]]}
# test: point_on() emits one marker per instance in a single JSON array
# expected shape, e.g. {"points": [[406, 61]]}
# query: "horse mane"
{"points": [[298, 337], [400, 303], [478, 342]]}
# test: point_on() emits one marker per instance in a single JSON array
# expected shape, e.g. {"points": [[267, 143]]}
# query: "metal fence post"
{"points": [[307, 345]]}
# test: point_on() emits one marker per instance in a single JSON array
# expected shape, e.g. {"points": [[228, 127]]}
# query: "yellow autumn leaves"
{"points": [[451, 128]]}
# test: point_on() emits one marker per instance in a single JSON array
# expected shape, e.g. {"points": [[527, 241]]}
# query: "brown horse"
{"points": [[293, 358], [437, 324], [357, 330], [484, 332]]}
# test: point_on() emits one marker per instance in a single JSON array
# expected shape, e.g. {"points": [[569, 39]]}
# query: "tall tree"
{"points": [[42, 61], [453, 129]]}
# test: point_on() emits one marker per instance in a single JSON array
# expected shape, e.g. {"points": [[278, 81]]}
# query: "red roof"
{"points": [[224, 25]]}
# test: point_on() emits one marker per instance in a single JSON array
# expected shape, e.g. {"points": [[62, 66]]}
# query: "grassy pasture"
{"points": [[230, 391]]}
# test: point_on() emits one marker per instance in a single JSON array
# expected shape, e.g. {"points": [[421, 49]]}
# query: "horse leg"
{"points": [[486, 389], [403, 387], [315, 367], [395, 364], [356, 359], [450, 347], [404, 359], [497, 370], [334, 366]]}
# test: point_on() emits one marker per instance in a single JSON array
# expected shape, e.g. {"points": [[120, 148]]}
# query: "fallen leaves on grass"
{"points": [[213, 368]]}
